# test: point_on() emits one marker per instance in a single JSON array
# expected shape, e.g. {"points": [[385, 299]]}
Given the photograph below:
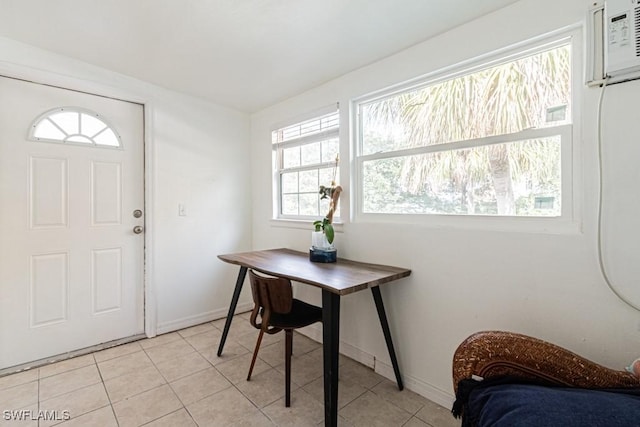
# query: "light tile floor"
{"points": [[177, 379]]}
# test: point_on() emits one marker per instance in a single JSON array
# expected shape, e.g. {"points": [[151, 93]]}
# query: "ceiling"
{"points": [[244, 54]]}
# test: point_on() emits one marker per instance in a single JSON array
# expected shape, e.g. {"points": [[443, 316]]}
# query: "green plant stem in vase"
{"points": [[333, 193], [325, 225]]}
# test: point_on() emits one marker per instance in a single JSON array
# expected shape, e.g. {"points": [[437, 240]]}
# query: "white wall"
{"points": [[200, 152], [196, 155], [466, 279]]}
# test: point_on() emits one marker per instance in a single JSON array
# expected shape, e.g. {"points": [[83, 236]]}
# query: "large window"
{"points": [[486, 141], [305, 157]]}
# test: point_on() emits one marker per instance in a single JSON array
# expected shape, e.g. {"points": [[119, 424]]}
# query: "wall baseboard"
{"points": [[197, 319], [315, 333], [416, 385]]}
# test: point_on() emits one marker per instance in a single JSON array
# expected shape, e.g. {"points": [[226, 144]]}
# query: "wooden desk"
{"points": [[335, 279]]}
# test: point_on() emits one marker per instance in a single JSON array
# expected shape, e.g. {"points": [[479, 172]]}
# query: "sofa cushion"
{"points": [[533, 405]]}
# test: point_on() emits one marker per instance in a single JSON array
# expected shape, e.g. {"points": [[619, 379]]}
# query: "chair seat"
{"points": [[301, 314]]}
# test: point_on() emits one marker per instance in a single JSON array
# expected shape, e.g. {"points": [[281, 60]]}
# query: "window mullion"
{"points": [[306, 140], [471, 143], [315, 166]]}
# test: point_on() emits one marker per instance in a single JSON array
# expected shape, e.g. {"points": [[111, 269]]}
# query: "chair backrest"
{"points": [[270, 295]]}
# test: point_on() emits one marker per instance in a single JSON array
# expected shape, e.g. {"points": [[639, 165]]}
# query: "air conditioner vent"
{"points": [[637, 30]]}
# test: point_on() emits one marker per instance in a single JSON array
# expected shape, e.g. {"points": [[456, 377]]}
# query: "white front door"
{"points": [[71, 265]]}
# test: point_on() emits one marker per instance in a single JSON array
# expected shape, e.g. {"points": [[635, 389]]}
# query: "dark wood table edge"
{"points": [[401, 272]]}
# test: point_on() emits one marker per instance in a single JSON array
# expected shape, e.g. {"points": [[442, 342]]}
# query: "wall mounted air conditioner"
{"points": [[613, 41], [622, 49]]}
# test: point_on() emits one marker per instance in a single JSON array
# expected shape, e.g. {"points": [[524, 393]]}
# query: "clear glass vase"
{"points": [[319, 241]]}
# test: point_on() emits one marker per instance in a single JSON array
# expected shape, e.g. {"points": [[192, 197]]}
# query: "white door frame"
{"points": [[40, 76]]}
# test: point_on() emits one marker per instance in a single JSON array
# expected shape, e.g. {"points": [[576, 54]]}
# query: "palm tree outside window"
{"points": [[486, 141]]}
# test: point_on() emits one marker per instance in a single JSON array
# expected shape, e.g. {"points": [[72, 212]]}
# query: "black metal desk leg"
{"points": [[330, 345], [232, 308], [377, 297]]}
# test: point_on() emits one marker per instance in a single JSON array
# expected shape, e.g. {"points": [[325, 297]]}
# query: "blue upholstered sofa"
{"points": [[508, 379]]}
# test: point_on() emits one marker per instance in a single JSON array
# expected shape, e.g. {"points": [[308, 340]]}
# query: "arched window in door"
{"points": [[73, 125]]}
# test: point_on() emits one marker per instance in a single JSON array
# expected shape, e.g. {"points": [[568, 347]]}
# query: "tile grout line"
{"points": [[226, 378], [38, 423], [169, 383], [106, 392], [235, 386], [144, 350]]}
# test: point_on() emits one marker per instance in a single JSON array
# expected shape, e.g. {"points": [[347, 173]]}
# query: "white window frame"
{"points": [[277, 160], [570, 219], [79, 111]]}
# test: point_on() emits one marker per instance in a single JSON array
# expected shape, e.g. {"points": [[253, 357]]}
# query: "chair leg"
{"points": [[287, 366], [255, 354]]}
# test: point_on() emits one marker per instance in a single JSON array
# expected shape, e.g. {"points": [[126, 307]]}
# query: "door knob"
{"points": [[137, 229]]}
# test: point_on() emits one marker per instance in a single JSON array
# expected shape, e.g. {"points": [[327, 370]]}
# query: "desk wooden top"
{"points": [[342, 277]]}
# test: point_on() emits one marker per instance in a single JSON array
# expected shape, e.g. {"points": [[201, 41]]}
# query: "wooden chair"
{"points": [[278, 310]]}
